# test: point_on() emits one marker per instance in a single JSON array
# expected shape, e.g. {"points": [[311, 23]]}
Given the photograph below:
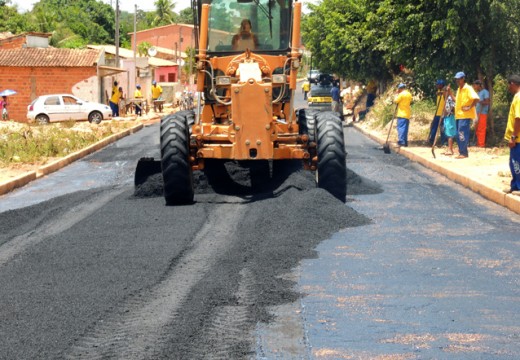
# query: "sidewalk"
{"points": [[484, 173]]}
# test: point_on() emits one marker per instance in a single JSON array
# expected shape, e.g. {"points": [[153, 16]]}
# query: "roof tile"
{"points": [[49, 57]]}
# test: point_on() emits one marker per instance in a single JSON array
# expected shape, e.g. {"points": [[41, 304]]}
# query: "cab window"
{"points": [[270, 24]]}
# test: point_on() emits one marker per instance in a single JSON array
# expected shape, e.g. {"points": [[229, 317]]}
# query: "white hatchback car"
{"points": [[62, 107]]}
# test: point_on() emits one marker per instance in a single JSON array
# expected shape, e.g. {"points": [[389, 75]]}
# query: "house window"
{"points": [[161, 78], [171, 77]]}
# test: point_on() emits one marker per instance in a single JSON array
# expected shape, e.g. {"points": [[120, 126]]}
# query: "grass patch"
{"points": [[31, 144]]}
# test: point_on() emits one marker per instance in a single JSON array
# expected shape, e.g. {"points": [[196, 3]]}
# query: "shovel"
{"points": [[438, 127], [146, 167], [386, 146]]}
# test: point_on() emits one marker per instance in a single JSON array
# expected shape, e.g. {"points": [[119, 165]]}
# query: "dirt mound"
{"points": [[234, 179]]}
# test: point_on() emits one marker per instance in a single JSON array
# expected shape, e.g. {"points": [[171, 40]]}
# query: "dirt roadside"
{"points": [[488, 165], [16, 170]]}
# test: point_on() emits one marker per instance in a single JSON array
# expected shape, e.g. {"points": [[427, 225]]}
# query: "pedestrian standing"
{"points": [[114, 100], [404, 113], [440, 103], [512, 134], [482, 113], [138, 103], [3, 105], [336, 100], [465, 111], [450, 128], [156, 96], [371, 94], [306, 86]]}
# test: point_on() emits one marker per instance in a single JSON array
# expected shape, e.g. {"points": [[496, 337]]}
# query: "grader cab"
{"points": [[247, 65]]}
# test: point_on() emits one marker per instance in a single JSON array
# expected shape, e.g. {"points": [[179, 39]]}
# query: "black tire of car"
{"points": [[176, 168], [42, 119], [332, 169], [95, 117]]}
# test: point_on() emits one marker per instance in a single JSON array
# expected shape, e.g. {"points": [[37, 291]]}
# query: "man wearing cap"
{"points": [[482, 113], [156, 94], [336, 100], [512, 134], [138, 96], [441, 101], [114, 100], [465, 111], [404, 112]]}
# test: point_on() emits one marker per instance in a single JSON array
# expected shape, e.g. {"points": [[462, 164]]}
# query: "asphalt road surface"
{"points": [[413, 266]]}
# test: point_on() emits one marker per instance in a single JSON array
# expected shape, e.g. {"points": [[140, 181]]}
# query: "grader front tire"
{"points": [[332, 168], [175, 164]]}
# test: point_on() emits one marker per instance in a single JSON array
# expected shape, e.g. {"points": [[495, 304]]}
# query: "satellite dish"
{"points": [[152, 51]]}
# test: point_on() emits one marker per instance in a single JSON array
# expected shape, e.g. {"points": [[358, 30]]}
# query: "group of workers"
{"points": [[117, 95], [456, 112]]}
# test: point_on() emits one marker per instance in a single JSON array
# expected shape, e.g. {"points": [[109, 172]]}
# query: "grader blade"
{"points": [[146, 167]]}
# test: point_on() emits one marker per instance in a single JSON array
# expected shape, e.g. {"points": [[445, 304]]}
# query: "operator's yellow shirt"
{"points": [[306, 86], [514, 113], [441, 102], [404, 101], [156, 91], [138, 94], [465, 97], [116, 95]]}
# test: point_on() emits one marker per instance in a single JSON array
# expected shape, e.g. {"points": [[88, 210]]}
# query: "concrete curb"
{"points": [[24, 179], [511, 202]]}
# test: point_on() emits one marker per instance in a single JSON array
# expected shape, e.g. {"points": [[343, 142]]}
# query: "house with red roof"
{"points": [[33, 68]]}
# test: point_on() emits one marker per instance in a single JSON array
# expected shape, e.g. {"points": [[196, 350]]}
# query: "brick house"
{"points": [[176, 37], [33, 68]]}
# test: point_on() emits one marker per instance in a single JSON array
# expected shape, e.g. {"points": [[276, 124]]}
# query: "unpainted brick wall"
{"points": [[12, 43], [33, 82]]}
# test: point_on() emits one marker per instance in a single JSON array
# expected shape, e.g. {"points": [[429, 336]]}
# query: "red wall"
{"points": [[33, 82], [167, 36], [12, 43]]}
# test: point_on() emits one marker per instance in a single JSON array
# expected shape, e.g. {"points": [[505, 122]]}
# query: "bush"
{"points": [[36, 143]]}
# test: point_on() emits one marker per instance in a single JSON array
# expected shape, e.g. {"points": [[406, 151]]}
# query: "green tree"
{"points": [[164, 13], [186, 16], [142, 48]]}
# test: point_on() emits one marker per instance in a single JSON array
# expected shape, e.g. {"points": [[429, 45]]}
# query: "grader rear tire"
{"points": [[332, 168], [175, 164], [307, 120]]}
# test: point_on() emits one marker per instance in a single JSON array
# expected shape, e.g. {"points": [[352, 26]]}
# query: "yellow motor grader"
{"points": [[247, 65]]}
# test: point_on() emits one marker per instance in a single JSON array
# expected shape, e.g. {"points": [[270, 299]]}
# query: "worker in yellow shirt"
{"points": [[404, 112], [114, 100], [156, 94], [306, 87], [512, 134], [465, 111], [138, 104]]}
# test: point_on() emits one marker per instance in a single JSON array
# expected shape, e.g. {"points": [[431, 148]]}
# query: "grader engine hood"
{"points": [[252, 115]]}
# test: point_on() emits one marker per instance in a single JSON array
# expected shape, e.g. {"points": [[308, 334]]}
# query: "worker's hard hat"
{"points": [[138, 86], [441, 82], [401, 86]]}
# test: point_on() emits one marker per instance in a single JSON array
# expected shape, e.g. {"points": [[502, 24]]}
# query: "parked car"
{"points": [[61, 107], [313, 75]]}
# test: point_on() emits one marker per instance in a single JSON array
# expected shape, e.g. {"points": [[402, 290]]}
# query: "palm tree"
{"points": [[165, 14]]}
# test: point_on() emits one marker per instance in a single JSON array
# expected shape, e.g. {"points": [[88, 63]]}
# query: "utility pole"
{"points": [[117, 33], [135, 45]]}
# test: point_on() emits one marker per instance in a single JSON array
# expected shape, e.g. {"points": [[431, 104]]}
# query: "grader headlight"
{"points": [[279, 79], [223, 80]]}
